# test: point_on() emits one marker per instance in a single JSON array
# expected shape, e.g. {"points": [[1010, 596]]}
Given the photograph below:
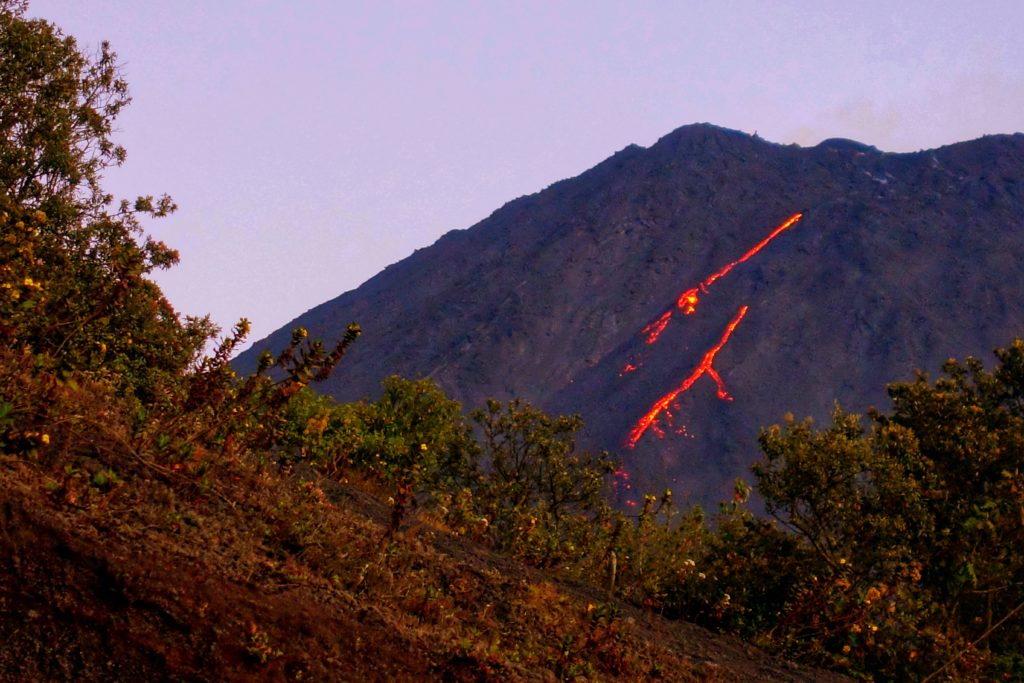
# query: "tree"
{"points": [[969, 427], [75, 293], [912, 527], [536, 489], [57, 109], [75, 275], [414, 438]]}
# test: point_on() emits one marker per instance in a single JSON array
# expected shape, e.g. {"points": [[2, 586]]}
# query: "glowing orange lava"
{"points": [[629, 368], [654, 329], [704, 367], [659, 417], [688, 299]]}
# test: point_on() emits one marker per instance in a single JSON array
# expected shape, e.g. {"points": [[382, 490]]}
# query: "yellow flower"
{"points": [[846, 649], [45, 438], [423, 446]]}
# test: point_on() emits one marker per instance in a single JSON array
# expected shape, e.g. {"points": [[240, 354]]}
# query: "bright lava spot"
{"points": [[629, 368], [704, 367], [688, 300]]}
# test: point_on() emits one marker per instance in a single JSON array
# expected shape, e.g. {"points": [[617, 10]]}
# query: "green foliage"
{"points": [[73, 282], [414, 434], [320, 432], [58, 108], [523, 486], [650, 553], [542, 497], [910, 529], [258, 410], [76, 305], [738, 577], [413, 437]]}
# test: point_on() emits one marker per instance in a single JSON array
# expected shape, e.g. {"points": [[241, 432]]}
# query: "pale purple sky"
{"points": [[310, 144]]}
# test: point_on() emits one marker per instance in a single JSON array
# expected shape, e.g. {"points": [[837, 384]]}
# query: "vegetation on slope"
{"points": [[161, 518], [892, 551]]}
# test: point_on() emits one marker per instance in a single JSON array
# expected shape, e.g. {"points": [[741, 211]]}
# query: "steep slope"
{"points": [[896, 262], [211, 599]]}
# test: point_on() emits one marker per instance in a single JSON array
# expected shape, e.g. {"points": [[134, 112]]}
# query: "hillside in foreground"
{"points": [[267, 577]]}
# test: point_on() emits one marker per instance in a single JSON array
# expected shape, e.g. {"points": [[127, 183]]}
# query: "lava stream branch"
{"points": [[688, 300], [704, 367], [792, 220], [654, 329]]}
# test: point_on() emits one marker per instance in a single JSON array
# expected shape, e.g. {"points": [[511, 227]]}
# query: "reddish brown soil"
{"points": [[89, 596]]}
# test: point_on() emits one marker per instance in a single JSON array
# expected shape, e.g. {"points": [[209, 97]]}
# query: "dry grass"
{"points": [[117, 563]]}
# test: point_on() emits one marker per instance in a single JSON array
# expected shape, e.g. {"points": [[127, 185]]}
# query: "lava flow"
{"points": [[704, 367], [756, 248], [654, 329], [687, 303], [689, 299]]}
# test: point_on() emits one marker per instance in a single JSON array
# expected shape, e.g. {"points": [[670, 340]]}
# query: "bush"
{"points": [[909, 528], [544, 500]]}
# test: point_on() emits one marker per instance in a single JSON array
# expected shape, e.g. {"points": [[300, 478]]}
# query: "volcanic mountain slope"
{"points": [[889, 263]]}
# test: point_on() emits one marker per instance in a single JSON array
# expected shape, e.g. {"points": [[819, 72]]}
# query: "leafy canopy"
{"points": [[75, 265], [912, 526]]}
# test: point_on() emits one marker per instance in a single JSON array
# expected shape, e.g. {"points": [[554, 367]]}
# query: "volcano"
{"points": [[680, 297]]}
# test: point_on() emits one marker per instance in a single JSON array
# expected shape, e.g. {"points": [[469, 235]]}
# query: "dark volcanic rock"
{"points": [[900, 261]]}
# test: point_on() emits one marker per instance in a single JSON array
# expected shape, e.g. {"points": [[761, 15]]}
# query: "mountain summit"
{"points": [[679, 297]]}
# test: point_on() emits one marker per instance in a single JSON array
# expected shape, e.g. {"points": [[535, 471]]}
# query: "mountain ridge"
{"points": [[899, 261]]}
